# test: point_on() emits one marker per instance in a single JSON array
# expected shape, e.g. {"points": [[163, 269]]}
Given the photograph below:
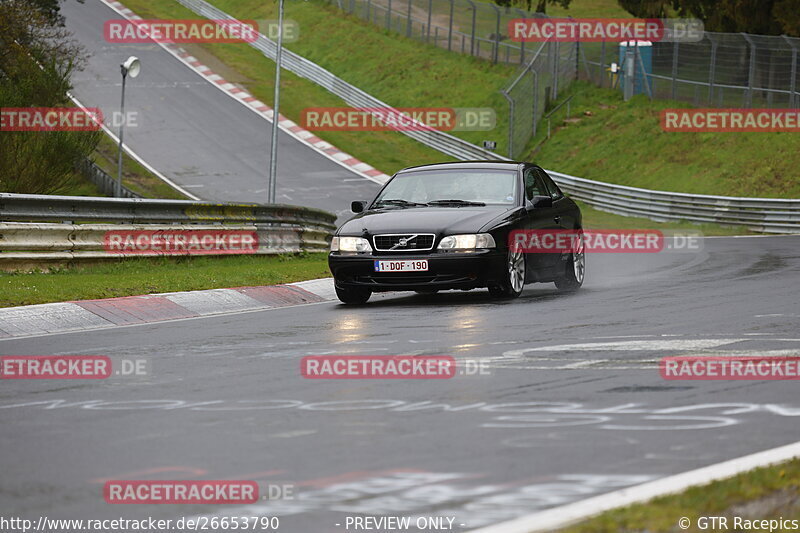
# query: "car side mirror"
{"points": [[540, 201], [357, 206]]}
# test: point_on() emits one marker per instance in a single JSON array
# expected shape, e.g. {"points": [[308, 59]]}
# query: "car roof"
{"points": [[483, 164]]}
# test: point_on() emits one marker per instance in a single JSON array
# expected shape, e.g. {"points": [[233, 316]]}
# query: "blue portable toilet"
{"points": [[642, 51]]}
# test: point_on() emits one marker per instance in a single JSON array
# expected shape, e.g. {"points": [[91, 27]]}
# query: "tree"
{"points": [[763, 17], [37, 58], [541, 5]]}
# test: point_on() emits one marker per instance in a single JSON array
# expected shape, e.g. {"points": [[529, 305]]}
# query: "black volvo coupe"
{"points": [[447, 226]]}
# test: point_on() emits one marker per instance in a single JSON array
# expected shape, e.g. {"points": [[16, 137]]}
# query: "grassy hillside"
{"points": [[608, 139], [404, 73]]}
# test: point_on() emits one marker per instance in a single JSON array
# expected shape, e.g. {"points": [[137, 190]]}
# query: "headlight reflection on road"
{"points": [[349, 328]]}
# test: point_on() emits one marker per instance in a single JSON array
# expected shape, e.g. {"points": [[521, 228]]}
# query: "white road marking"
{"points": [[565, 515]]}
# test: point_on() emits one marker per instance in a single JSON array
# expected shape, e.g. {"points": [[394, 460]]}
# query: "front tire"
{"points": [[353, 295], [574, 269], [512, 278]]}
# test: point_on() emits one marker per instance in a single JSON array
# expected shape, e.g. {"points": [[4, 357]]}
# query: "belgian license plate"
{"points": [[420, 265]]}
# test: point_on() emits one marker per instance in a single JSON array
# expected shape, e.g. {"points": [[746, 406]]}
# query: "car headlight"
{"points": [[467, 242], [350, 244]]}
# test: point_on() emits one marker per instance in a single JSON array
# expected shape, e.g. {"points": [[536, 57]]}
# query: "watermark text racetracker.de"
{"points": [[70, 367], [50, 119], [595, 30], [547, 241], [180, 242], [398, 118], [388, 367], [729, 368], [730, 120]]}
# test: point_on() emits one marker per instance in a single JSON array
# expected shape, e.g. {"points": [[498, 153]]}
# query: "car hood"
{"points": [[439, 220]]}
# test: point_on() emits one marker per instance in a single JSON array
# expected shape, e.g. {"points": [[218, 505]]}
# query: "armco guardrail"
{"points": [[28, 238], [443, 142], [102, 180], [767, 215]]}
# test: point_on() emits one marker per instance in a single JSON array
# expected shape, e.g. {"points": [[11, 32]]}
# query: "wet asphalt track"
{"points": [[572, 406], [197, 136], [551, 423]]}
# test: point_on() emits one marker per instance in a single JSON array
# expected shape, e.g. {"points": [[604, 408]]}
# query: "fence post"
{"points": [[450, 28], [522, 43], [430, 14], [674, 70], [556, 60], [368, 8], [389, 16], [510, 124], [496, 35], [408, 22], [711, 70], [472, 34], [602, 64], [752, 70], [535, 97], [793, 80]]}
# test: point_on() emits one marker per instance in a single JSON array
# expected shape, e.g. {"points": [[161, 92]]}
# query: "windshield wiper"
{"points": [[456, 203], [400, 203]]}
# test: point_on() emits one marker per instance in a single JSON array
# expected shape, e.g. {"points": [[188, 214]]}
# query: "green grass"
{"points": [[134, 176], [622, 142], [596, 219], [145, 276], [769, 493], [401, 72]]}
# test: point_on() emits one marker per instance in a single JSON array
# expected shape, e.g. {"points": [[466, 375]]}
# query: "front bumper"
{"points": [[452, 270]]}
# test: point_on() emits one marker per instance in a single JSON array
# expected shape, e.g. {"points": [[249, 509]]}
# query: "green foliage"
{"points": [[37, 59], [764, 17]]}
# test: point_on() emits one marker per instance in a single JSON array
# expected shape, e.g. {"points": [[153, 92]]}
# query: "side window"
{"points": [[555, 192], [533, 184]]}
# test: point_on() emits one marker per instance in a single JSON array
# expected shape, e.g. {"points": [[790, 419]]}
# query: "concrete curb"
{"points": [[83, 315], [306, 137]]}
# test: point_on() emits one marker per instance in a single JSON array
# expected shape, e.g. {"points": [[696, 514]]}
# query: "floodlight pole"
{"points": [[118, 191], [273, 160]]}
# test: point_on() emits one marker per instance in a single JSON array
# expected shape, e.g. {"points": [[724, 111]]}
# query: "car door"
{"points": [[539, 218], [563, 209]]}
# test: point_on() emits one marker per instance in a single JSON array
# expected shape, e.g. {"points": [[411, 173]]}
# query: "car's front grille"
{"points": [[402, 242]]}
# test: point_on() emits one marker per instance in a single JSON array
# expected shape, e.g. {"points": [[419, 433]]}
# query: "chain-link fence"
{"points": [[537, 83], [465, 26], [722, 70]]}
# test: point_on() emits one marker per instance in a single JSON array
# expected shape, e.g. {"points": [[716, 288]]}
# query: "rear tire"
{"points": [[574, 269], [513, 276], [353, 295]]}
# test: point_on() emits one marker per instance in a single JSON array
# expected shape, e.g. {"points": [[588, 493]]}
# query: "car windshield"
{"points": [[450, 188]]}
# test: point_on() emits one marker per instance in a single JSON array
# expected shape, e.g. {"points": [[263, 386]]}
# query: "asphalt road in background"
{"points": [[193, 133], [573, 404]]}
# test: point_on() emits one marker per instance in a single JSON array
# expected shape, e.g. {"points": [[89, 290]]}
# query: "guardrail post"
{"points": [[793, 80], [751, 72]]}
